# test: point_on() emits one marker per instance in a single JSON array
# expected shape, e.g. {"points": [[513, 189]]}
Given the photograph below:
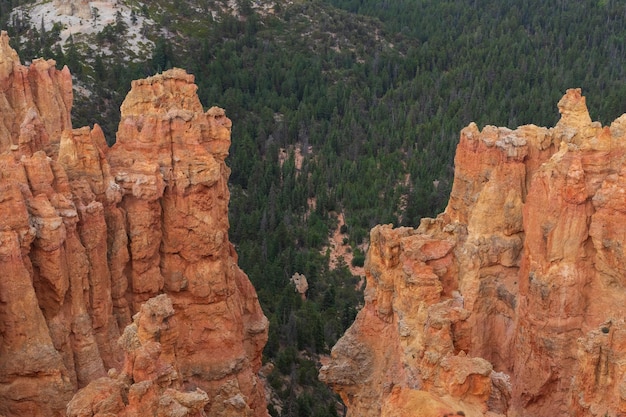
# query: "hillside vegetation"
{"points": [[373, 95]]}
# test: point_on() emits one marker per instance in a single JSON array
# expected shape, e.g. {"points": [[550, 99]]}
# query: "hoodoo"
{"points": [[91, 237], [512, 301]]}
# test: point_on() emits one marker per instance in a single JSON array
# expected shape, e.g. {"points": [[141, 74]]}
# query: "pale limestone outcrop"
{"points": [[511, 301], [300, 283], [79, 8]]}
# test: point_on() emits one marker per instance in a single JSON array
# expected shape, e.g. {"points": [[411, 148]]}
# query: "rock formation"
{"points": [[512, 301], [79, 8], [300, 283], [89, 234], [149, 380]]}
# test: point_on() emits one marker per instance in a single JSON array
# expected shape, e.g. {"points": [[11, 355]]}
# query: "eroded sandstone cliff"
{"points": [[512, 301], [88, 234]]}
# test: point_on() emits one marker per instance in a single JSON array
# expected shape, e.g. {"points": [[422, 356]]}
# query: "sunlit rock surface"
{"points": [[512, 301], [88, 234]]}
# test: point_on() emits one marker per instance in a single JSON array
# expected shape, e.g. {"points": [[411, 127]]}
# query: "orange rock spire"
{"points": [[512, 301], [89, 234]]}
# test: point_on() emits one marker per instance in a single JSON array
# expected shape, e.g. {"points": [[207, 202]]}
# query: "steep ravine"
{"points": [[511, 302], [120, 292], [117, 278]]}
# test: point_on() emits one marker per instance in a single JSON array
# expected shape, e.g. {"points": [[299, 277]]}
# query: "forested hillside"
{"points": [[372, 94]]}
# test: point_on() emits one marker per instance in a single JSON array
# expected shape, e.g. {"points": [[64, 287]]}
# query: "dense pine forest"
{"points": [[372, 96]]}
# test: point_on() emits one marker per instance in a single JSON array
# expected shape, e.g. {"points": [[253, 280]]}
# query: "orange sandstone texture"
{"points": [[150, 382], [512, 301], [89, 234], [35, 102]]}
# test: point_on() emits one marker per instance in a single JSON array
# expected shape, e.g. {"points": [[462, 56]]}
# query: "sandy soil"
{"points": [[338, 249]]}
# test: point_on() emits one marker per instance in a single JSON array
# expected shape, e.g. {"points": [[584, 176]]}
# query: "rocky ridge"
{"points": [[82, 20], [89, 236], [512, 301]]}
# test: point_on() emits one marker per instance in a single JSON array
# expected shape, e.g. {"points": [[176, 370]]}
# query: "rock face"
{"points": [[80, 8], [35, 102], [301, 284], [89, 234], [512, 301], [150, 380]]}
